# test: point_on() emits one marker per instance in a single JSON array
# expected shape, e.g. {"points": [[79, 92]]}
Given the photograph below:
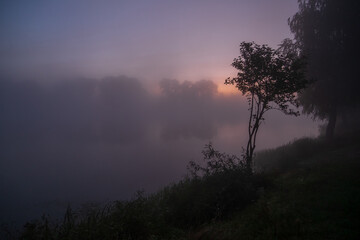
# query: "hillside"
{"points": [[308, 189], [315, 197]]}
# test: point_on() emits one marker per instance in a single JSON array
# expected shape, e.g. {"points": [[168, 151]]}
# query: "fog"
{"points": [[99, 99], [81, 140]]}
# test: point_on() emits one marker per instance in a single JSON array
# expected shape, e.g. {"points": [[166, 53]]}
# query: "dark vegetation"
{"points": [[327, 33], [270, 80], [308, 189], [211, 192], [314, 194]]}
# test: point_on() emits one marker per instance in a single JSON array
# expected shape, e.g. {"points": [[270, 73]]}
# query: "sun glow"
{"points": [[227, 89]]}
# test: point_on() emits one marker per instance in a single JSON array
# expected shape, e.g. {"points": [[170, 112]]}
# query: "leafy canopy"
{"points": [[272, 77], [328, 33]]}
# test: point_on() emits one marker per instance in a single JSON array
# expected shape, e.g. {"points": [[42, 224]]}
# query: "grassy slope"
{"points": [[317, 197], [310, 190]]}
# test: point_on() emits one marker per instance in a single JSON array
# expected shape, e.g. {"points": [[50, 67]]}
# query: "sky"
{"points": [[99, 99], [187, 40]]}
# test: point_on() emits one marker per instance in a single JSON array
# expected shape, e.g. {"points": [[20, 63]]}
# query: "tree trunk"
{"points": [[249, 158], [330, 129]]}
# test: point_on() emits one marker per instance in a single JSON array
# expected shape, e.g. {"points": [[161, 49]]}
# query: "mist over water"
{"points": [[69, 134], [81, 140]]}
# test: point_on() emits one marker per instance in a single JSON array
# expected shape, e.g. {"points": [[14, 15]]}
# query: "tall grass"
{"points": [[220, 199], [214, 190], [289, 155]]}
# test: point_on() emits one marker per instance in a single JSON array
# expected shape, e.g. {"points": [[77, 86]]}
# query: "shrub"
{"points": [[215, 189]]}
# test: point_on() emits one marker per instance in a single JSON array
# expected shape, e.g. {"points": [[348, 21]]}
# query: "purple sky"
{"points": [[151, 40], [102, 98]]}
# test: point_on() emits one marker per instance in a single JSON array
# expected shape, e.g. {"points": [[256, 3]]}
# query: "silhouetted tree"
{"points": [[327, 32], [269, 79]]}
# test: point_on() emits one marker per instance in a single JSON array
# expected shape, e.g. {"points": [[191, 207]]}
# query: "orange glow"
{"points": [[219, 79], [227, 89]]}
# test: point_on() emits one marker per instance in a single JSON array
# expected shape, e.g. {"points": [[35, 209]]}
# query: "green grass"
{"points": [[307, 189], [317, 199]]}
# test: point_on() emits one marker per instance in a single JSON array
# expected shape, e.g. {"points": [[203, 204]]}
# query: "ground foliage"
{"points": [[213, 190], [309, 190]]}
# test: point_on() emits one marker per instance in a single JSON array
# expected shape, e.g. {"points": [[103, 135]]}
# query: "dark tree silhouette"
{"points": [[269, 79], [327, 32]]}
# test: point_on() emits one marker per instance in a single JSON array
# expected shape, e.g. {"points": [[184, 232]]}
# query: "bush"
{"points": [[215, 189]]}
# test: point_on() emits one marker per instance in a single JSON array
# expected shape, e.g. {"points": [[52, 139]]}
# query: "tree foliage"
{"points": [[270, 80], [327, 32]]}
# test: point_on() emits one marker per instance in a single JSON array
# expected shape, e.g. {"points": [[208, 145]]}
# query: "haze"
{"points": [[99, 99]]}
